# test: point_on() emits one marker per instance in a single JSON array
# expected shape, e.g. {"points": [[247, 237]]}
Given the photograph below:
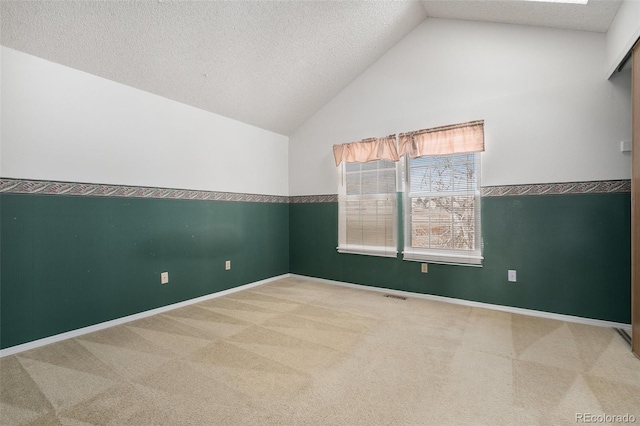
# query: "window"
{"points": [[367, 208], [442, 209], [441, 194]]}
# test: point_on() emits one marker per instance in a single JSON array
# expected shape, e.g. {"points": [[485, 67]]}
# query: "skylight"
{"points": [[563, 1]]}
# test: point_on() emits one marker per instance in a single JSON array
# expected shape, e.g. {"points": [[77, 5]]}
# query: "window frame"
{"points": [[443, 256]]}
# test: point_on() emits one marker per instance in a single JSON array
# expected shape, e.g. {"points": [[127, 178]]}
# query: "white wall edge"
{"points": [[622, 34], [622, 55], [510, 309], [118, 321]]}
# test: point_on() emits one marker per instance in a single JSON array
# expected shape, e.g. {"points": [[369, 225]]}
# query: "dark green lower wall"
{"points": [[571, 254], [70, 262]]}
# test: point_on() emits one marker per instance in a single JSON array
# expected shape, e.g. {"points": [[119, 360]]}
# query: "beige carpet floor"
{"points": [[297, 352]]}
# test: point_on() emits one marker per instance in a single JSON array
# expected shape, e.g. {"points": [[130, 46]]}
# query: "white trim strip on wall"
{"points": [[510, 309], [90, 329], [101, 326]]}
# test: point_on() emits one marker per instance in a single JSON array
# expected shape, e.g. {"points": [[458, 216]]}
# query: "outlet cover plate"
{"points": [[164, 278], [511, 275]]}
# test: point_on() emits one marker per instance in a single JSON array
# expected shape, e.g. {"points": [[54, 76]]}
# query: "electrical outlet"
{"points": [[511, 275], [424, 268], [164, 278], [227, 265]]}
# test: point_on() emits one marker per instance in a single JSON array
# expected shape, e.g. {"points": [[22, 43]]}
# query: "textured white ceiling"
{"points": [[272, 64]]}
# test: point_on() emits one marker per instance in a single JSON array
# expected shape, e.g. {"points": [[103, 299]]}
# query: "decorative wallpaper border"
{"points": [[300, 199], [20, 186], [16, 186], [594, 187]]}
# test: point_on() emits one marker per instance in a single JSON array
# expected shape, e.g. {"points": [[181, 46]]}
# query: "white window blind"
{"points": [[442, 209], [367, 208]]}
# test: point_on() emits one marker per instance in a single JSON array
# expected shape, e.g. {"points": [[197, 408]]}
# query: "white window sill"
{"points": [[368, 251], [445, 258]]}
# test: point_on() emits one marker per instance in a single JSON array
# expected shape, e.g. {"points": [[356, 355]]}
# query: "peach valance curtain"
{"points": [[454, 139], [445, 140], [367, 150]]}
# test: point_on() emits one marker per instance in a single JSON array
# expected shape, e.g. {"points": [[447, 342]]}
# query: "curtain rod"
{"points": [[373, 139], [441, 128], [432, 129]]}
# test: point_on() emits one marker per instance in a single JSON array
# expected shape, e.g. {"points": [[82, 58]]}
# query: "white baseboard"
{"points": [[510, 309], [90, 329]]}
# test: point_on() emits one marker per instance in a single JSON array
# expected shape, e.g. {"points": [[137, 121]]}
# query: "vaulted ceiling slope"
{"points": [[271, 64], [267, 63], [594, 16]]}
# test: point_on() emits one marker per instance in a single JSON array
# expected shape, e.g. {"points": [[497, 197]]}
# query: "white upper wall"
{"points": [[550, 114], [622, 34], [59, 123]]}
